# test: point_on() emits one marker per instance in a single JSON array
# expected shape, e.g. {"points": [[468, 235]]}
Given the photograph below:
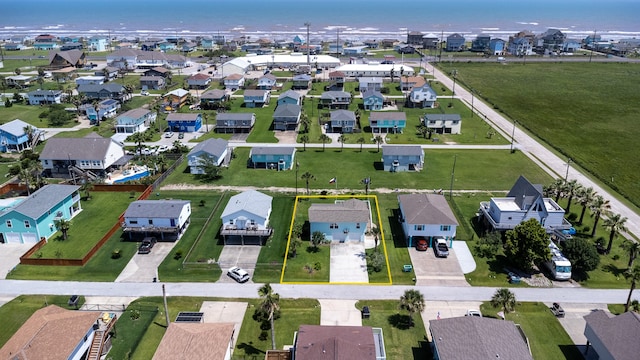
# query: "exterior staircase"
{"points": [[96, 346]]}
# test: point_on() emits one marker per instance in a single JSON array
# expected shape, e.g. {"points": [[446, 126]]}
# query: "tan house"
{"points": [[196, 341]]}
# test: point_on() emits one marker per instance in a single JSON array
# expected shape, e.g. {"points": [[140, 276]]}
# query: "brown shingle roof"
{"points": [[195, 341], [352, 210], [50, 333], [198, 76], [315, 342]]}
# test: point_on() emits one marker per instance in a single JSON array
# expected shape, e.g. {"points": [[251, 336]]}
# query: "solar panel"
{"points": [[189, 317]]}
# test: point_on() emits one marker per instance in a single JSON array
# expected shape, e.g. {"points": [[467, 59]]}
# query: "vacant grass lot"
{"points": [[547, 337], [594, 126], [475, 169], [28, 114]]}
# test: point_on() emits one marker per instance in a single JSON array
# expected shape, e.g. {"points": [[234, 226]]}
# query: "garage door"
{"points": [[13, 238], [29, 238]]}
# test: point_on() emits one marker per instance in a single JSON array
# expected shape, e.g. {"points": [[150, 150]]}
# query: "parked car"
{"points": [[557, 310], [181, 135], [441, 249], [163, 148], [238, 274], [472, 312], [168, 134], [144, 93], [422, 245], [146, 245]]}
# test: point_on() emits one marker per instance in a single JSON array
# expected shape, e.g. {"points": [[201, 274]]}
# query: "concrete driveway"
{"points": [[430, 270], [244, 256], [144, 267], [224, 312], [10, 256], [446, 309], [339, 313], [348, 263], [573, 323]]}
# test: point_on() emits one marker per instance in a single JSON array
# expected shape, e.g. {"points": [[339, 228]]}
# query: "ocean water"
{"points": [[328, 19]]}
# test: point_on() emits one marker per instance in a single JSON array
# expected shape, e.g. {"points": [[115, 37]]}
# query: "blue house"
{"points": [[341, 221], [214, 149], [167, 46], [342, 121], [13, 136], [256, 98], [422, 97], [34, 217], [279, 158], [135, 120], [301, 81], [372, 100], [98, 43], [497, 46], [286, 117], [290, 97], [455, 42], [184, 122], [397, 158], [387, 121]]}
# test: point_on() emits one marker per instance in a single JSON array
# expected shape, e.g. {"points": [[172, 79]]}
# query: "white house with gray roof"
{"points": [[90, 153], [246, 218], [214, 149], [341, 221], [135, 120], [443, 123], [29, 220], [426, 216], [402, 158], [44, 97], [166, 219]]}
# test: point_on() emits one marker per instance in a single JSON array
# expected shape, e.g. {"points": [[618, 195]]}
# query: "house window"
{"points": [[357, 225], [133, 222], [418, 227], [46, 162], [9, 225], [445, 227], [333, 226], [150, 221], [27, 224], [230, 221], [253, 222]]}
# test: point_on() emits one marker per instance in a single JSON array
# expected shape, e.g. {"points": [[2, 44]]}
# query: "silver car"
{"points": [[238, 274]]}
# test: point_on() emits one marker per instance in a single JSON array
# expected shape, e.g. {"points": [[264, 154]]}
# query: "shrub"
{"points": [[317, 266], [134, 314], [178, 255], [116, 254], [264, 335]]}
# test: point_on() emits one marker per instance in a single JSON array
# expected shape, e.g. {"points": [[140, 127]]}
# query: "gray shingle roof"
{"points": [[234, 116], [618, 334], [93, 88], [335, 94], [182, 116], [426, 209], [343, 115], [476, 338], [290, 93], [45, 92], [388, 115], [287, 110], [215, 147], [86, 148], [156, 208], [442, 117], [213, 94], [524, 192], [260, 93], [399, 150], [251, 201], [134, 113], [352, 210], [371, 92], [273, 150], [44, 199]]}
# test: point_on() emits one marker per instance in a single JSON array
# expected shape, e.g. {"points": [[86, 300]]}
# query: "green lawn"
{"points": [[309, 265], [17, 311], [475, 169], [401, 341], [560, 99], [98, 215], [546, 336], [28, 114]]}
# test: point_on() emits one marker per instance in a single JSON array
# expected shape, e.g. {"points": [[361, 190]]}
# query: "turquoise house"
{"points": [[387, 122], [372, 100], [280, 157], [27, 221]]}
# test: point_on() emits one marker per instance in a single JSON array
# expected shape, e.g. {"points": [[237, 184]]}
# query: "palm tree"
{"points": [[162, 161], [342, 139], [378, 140], [63, 226], [413, 302], [585, 197], [634, 276], [86, 187], [555, 189], [24, 176], [598, 206], [572, 188], [361, 141], [615, 224], [304, 139], [324, 138], [307, 176], [138, 138], [375, 232], [304, 121], [270, 304], [504, 299], [633, 247]]}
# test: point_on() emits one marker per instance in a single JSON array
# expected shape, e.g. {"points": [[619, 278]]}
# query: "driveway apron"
{"points": [[348, 263]]}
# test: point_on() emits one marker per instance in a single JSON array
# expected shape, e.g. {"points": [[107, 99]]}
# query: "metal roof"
{"points": [[251, 201], [44, 199], [155, 208]]}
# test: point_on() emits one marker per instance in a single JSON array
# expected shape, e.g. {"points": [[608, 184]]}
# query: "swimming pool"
{"points": [[135, 176]]}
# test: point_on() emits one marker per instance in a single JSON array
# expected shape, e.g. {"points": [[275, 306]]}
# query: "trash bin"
{"points": [[155, 279], [407, 268], [365, 312]]}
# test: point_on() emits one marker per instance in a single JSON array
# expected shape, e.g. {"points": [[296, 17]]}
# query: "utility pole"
{"points": [[166, 308], [307, 24], [513, 132], [453, 172], [441, 39], [297, 167], [337, 42], [593, 43], [566, 175], [454, 73]]}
